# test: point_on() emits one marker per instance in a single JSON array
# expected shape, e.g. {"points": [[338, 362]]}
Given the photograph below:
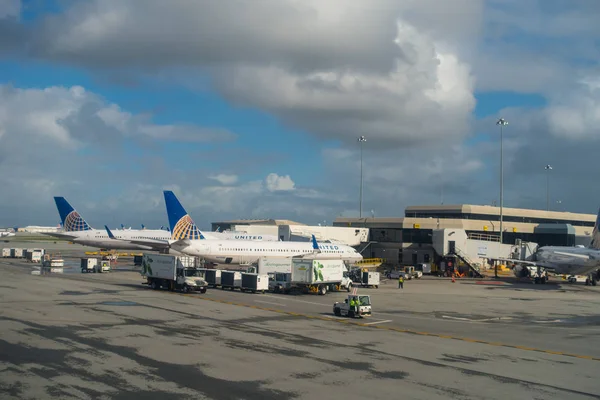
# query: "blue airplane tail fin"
{"points": [[70, 219], [180, 223]]}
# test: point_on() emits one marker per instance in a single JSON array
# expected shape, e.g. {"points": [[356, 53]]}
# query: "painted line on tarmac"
{"points": [[389, 328], [377, 322]]}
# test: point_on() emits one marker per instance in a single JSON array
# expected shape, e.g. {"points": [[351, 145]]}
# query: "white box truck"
{"points": [[314, 276], [166, 271]]}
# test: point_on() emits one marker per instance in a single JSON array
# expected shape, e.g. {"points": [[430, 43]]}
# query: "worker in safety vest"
{"points": [[401, 282], [353, 304]]}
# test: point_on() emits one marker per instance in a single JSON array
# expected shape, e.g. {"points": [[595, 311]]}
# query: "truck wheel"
{"points": [[153, 285], [203, 290], [376, 286], [349, 288], [322, 290]]}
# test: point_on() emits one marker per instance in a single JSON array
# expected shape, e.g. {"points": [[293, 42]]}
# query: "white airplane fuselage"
{"points": [[6, 234], [569, 260], [99, 238], [244, 251]]}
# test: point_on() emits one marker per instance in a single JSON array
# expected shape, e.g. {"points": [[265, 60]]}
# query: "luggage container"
{"points": [[213, 277], [231, 279], [255, 282], [370, 279], [34, 256], [5, 253], [16, 253], [137, 261], [88, 265]]}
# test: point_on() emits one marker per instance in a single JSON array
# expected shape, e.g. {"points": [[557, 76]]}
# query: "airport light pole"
{"points": [[361, 140], [502, 123], [548, 168]]}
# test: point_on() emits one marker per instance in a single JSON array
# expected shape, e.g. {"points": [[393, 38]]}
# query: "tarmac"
{"points": [[108, 336]]}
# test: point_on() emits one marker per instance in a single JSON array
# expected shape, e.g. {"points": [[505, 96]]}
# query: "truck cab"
{"points": [[191, 279], [363, 309]]}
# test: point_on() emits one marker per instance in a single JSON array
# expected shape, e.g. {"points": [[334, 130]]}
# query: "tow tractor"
{"points": [[344, 310]]}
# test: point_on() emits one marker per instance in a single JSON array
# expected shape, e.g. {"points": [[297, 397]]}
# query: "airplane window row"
{"points": [[280, 250]]}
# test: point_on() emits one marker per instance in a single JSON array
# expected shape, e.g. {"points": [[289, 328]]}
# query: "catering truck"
{"points": [[271, 265], [313, 276], [171, 272]]}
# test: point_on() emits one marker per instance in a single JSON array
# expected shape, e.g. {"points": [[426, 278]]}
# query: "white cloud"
{"points": [[401, 73], [56, 114], [391, 69], [225, 179], [274, 183]]}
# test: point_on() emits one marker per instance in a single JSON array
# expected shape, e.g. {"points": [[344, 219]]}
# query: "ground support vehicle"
{"points": [[167, 271], [363, 309]]}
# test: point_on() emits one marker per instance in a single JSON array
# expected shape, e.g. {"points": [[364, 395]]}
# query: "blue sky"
{"points": [[242, 118]]}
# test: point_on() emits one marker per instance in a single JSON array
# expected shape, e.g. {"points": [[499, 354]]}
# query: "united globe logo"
{"points": [[74, 223], [185, 228]]}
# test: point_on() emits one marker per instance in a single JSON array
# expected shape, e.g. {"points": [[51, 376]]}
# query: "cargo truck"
{"points": [[313, 276], [169, 272]]}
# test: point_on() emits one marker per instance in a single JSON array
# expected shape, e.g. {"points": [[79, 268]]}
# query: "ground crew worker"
{"points": [[353, 304], [401, 282]]}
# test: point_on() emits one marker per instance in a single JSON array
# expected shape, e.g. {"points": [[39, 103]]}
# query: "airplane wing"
{"points": [[60, 235], [515, 261], [154, 243]]}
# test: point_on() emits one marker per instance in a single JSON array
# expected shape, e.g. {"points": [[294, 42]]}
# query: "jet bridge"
{"points": [[475, 250], [350, 236]]}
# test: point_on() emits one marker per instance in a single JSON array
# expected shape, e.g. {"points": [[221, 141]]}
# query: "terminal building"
{"points": [[409, 240]]}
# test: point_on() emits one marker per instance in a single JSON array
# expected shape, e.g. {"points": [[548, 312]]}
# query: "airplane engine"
{"points": [[521, 271]]}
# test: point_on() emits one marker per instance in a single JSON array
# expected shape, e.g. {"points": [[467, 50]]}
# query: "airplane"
{"points": [[188, 239], [6, 234], [565, 260], [177, 213], [77, 230]]}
